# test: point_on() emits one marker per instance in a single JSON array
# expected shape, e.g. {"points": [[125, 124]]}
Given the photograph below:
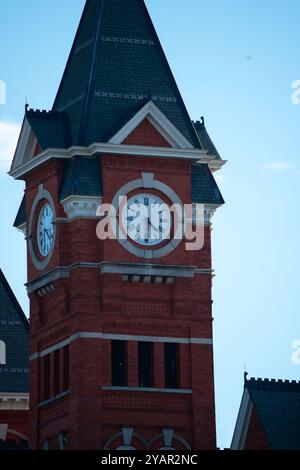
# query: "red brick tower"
{"points": [[120, 330]]}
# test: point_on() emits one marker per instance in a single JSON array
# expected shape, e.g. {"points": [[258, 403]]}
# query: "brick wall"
{"points": [[89, 301]]}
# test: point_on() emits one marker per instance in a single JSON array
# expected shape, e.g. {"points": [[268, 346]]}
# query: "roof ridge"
{"points": [[268, 380], [87, 103]]}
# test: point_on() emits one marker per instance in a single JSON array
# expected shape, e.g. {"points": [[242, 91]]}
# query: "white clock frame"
{"points": [[168, 224], [39, 263], [147, 182]]}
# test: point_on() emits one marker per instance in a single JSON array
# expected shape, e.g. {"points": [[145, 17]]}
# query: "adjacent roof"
{"points": [[50, 128], [204, 187], [116, 64], [278, 407], [14, 332]]}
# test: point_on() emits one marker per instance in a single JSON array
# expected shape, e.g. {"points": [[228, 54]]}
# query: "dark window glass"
{"points": [[56, 373], [46, 378], [145, 365], [171, 365], [118, 363], [66, 368]]}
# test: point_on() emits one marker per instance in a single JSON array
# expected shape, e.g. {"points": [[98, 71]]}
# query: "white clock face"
{"points": [[147, 219], [45, 230]]}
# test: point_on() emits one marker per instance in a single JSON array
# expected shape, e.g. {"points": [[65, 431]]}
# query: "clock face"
{"points": [[147, 219], [45, 230]]}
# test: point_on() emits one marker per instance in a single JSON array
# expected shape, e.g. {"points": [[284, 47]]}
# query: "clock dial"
{"points": [[147, 219], [45, 230]]}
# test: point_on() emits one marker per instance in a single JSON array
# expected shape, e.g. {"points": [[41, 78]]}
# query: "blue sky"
{"points": [[234, 62]]}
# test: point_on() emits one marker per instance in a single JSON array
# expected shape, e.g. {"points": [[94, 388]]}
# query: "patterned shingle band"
{"points": [[13, 370], [83, 46], [134, 41], [10, 323], [133, 96]]}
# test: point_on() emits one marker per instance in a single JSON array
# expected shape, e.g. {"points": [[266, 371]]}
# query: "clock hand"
{"points": [[49, 236]]}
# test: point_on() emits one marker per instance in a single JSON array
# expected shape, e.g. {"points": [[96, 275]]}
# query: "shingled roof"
{"points": [[21, 215], [278, 406], [50, 128], [115, 67], [204, 187], [14, 333], [82, 177], [276, 403], [116, 64], [205, 139]]}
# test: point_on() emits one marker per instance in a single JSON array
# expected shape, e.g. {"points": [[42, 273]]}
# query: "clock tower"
{"points": [[121, 345]]}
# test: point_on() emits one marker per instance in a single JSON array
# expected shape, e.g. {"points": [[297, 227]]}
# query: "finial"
{"points": [[202, 120], [245, 376]]}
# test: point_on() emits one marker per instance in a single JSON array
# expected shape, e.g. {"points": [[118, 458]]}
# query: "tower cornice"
{"points": [[195, 155]]}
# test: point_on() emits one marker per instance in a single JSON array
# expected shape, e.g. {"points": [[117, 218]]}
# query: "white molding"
{"points": [[195, 155], [145, 269], [3, 431], [14, 401], [178, 391], [242, 423], [216, 164], [83, 207], [25, 147], [112, 336], [159, 121], [23, 228]]}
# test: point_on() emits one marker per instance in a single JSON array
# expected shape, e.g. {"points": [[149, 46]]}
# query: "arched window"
{"points": [[2, 353]]}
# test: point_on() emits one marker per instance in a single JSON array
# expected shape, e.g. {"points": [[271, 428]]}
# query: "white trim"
{"points": [[52, 399], [242, 423], [112, 336], [3, 431], [151, 390], [141, 269], [216, 164], [196, 155], [25, 147], [22, 228], [159, 121], [17, 433], [14, 401], [83, 207]]}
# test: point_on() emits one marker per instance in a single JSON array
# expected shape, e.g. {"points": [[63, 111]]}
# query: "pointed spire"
{"points": [[116, 65]]}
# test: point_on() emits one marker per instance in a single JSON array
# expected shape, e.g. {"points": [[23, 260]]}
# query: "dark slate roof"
{"points": [[50, 128], [116, 63], [206, 142], [82, 177], [14, 332], [204, 187], [278, 406], [21, 215]]}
